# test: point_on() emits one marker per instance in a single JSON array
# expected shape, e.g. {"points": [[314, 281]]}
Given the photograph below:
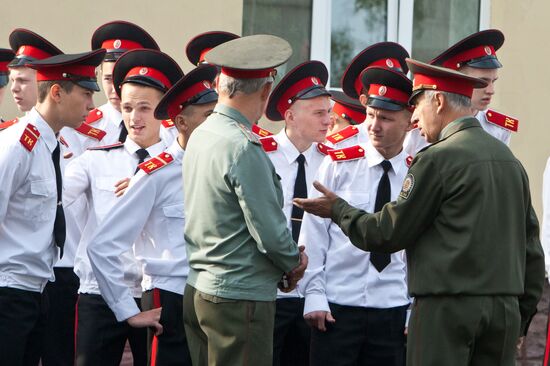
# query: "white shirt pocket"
{"points": [[42, 201], [175, 219], [359, 199]]}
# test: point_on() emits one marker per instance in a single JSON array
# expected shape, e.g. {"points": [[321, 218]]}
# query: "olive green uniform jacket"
{"points": [[465, 217], [237, 240]]}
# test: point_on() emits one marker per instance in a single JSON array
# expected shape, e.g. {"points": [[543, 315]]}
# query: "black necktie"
{"points": [[300, 191], [383, 195], [123, 133], [59, 223], [142, 155]]}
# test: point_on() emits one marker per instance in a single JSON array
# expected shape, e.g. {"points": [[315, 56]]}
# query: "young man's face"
{"points": [[138, 104], [194, 115], [481, 98], [387, 129], [337, 123], [310, 118], [24, 87], [425, 114], [76, 105], [107, 84]]}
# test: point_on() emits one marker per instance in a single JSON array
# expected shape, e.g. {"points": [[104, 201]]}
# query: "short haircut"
{"points": [[45, 86], [456, 101], [231, 86]]}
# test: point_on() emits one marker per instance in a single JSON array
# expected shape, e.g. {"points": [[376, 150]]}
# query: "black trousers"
{"points": [[22, 323], [59, 334], [100, 339], [170, 348], [291, 334], [361, 336]]}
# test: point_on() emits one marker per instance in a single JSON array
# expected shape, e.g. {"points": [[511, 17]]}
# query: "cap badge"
{"points": [[143, 71], [206, 84], [382, 90], [389, 62], [487, 50], [117, 43], [315, 81]]}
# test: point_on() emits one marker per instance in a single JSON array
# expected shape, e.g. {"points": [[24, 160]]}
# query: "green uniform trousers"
{"points": [[225, 332], [463, 331]]}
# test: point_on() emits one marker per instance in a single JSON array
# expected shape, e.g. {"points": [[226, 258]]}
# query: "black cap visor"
{"points": [[145, 81], [487, 62], [20, 61], [384, 103], [312, 92]]}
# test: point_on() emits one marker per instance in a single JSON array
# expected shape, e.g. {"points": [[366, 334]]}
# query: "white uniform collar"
{"points": [[176, 150], [46, 132], [374, 158], [153, 150], [114, 116], [289, 150]]}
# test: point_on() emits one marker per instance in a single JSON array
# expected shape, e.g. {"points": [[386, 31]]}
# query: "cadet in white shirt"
{"points": [[32, 218], [345, 112], [301, 100], [144, 76], [476, 56], [356, 301], [154, 201]]}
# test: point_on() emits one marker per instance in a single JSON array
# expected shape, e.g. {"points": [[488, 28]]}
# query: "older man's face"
{"points": [[425, 114]]}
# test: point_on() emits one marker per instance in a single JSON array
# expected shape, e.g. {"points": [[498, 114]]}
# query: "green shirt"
{"points": [[465, 217], [237, 239]]}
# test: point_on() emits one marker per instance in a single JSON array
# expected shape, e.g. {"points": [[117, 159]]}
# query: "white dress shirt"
{"points": [[168, 134], [149, 217], [94, 175], [28, 202], [111, 123], [338, 272], [414, 142], [496, 131], [286, 166]]}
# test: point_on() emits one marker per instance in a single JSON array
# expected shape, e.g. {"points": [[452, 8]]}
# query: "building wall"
{"points": [[521, 89], [70, 24]]}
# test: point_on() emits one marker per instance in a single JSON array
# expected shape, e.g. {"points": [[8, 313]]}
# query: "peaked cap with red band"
{"points": [[199, 45], [477, 50], [430, 77], [120, 36], [385, 54], [348, 108], [29, 46], [146, 67], [305, 81], [250, 57], [195, 88], [78, 68], [6, 55], [386, 89]]}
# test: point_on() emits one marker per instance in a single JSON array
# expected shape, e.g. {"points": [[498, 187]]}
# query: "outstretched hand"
{"points": [[320, 206]]}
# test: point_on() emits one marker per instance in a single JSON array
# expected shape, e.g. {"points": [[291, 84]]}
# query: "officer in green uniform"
{"points": [[238, 243], [464, 215]]}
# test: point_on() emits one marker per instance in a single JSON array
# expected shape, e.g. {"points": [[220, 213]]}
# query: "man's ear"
{"points": [[56, 92], [180, 123], [440, 102], [266, 90], [363, 100]]}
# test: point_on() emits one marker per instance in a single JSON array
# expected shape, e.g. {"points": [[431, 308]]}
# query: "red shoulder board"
{"points": [[502, 120], [156, 163], [348, 153], [343, 134], [323, 149], [260, 132], [29, 137], [409, 161], [94, 116], [90, 131], [7, 124], [167, 123], [269, 144], [107, 147]]}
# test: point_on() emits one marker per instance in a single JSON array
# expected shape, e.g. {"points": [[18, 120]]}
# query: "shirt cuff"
{"points": [[315, 302], [125, 308]]}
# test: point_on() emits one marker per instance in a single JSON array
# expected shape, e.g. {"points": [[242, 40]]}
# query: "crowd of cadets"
{"points": [[112, 200]]}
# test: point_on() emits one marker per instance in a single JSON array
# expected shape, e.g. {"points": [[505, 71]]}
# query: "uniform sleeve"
{"points": [[115, 235], [76, 179], [545, 232], [399, 223], [260, 197], [13, 169], [314, 235], [534, 265]]}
